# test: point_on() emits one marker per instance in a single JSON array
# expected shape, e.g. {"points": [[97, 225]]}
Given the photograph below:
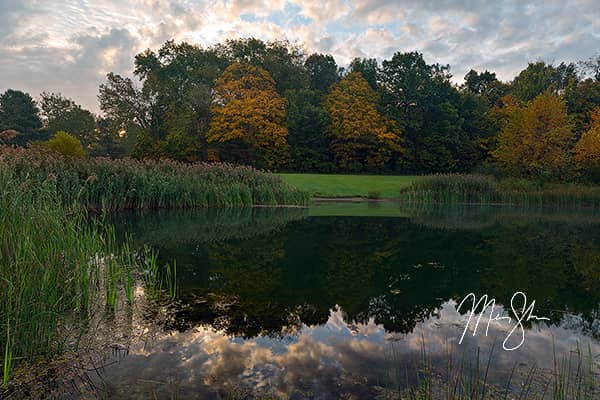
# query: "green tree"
{"points": [[423, 102], [307, 120], [128, 106], [360, 137], [582, 98], [539, 77], [486, 85], [369, 69], [181, 78], [283, 60], [144, 147], [66, 144], [19, 112], [179, 146], [591, 67], [248, 116], [109, 142], [63, 114], [322, 71]]}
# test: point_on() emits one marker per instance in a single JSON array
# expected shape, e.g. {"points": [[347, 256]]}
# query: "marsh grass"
{"points": [[109, 185], [54, 263], [483, 189]]}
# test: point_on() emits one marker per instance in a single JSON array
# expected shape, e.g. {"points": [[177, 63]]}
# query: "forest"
{"points": [[276, 107]]}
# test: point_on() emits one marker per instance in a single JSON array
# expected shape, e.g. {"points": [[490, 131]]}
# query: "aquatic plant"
{"points": [[483, 189], [109, 185], [55, 263]]}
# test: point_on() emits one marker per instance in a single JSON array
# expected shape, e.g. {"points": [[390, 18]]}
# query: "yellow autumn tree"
{"points": [[536, 140], [247, 118], [359, 135], [587, 150]]}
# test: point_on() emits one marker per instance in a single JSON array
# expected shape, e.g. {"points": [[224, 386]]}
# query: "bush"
{"points": [[66, 144]]}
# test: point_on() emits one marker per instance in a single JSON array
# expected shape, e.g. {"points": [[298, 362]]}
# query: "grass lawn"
{"points": [[322, 185]]}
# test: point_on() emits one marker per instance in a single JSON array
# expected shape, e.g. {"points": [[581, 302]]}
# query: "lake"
{"points": [[359, 300]]}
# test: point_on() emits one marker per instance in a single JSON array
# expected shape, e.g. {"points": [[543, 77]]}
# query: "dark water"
{"points": [[344, 300]]}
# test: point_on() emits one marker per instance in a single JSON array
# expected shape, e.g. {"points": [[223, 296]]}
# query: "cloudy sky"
{"points": [[68, 46]]}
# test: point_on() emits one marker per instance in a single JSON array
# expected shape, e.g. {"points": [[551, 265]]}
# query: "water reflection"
{"points": [[335, 359], [257, 288]]}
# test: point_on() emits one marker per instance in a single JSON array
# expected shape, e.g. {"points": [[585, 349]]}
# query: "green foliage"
{"points": [[322, 71], [485, 85], [281, 59], [107, 185], [426, 106], [63, 114], [582, 98], [539, 77], [369, 69], [481, 189], [54, 264], [446, 128], [307, 120], [19, 112], [126, 105], [66, 144], [179, 146]]}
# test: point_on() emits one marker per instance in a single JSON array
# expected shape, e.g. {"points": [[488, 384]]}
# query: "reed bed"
{"points": [[109, 185], [55, 263], [483, 189]]}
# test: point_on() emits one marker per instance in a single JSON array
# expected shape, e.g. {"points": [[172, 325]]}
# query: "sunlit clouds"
{"points": [[69, 46]]}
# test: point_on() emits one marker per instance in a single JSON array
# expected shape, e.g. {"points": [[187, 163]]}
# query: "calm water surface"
{"points": [[343, 300]]}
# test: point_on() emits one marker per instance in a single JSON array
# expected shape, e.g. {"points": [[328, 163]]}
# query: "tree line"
{"points": [[271, 105]]}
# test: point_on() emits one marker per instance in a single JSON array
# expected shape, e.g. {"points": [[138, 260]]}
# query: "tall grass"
{"points": [[54, 264], [483, 189], [109, 185]]}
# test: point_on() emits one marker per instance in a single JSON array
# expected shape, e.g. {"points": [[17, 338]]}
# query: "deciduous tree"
{"points": [[322, 71], [587, 150], [307, 120], [359, 135], [63, 114], [248, 116], [536, 140]]}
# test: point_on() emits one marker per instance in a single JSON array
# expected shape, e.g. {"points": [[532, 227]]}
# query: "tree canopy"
{"points": [[360, 136], [248, 115], [273, 105]]}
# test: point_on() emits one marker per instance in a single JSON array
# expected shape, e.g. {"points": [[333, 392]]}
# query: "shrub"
{"points": [[67, 145]]}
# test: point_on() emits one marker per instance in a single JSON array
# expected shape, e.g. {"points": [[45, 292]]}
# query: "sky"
{"points": [[69, 46]]}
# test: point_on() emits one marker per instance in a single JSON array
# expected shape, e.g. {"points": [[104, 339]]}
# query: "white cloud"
{"points": [[69, 45]]}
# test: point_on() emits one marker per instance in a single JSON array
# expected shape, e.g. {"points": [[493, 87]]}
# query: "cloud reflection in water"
{"points": [[328, 360]]}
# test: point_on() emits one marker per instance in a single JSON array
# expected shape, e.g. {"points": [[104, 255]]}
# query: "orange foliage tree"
{"points": [[536, 140], [247, 117], [359, 135], [587, 150]]}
